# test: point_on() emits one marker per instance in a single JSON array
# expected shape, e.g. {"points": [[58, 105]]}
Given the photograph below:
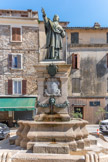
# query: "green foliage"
{"points": [[100, 113], [38, 21], [77, 115]]}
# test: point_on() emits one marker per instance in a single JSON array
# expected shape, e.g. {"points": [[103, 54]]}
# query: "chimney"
{"points": [[29, 13], [96, 25]]}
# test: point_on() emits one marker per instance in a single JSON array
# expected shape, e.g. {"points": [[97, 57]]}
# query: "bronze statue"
{"points": [[54, 35]]}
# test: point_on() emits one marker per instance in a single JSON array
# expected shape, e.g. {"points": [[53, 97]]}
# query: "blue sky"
{"points": [[77, 12]]}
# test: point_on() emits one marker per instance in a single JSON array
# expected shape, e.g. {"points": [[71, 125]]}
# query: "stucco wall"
{"points": [[89, 36], [93, 72]]}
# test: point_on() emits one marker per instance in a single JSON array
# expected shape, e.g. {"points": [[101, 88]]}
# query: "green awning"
{"points": [[17, 104]]}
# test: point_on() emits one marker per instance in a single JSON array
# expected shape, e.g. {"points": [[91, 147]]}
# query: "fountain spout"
{"points": [[52, 103]]}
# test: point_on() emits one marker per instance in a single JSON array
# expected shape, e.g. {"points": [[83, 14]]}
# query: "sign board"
{"points": [[94, 103]]}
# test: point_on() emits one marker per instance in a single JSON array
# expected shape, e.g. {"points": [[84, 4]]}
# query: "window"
{"points": [[24, 15], [17, 87], [107, 37], [75, 61], [78, 112], [16, 34], [75, 37], [76, 85], [15, 61]]}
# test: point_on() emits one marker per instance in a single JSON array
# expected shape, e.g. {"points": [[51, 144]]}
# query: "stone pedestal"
{"points": [[43, 80], [51, 148], [52, 131], [71, 134]]}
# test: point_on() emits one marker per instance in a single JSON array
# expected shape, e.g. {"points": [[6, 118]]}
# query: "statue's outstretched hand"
{"points": [[43, 11]]}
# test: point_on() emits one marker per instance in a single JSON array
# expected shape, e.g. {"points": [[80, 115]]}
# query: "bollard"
{"points": [[97, 132]]}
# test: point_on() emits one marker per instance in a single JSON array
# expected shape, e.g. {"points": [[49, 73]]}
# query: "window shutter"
{"points": [[13, 34], [72, 38], [107, 85], [10, 87], [24, 86], [75, 37], [78, 61], [107, 37], [73, 61], [18, 34], [76, 85], [107, 59], [19, 61], [10, 60]]}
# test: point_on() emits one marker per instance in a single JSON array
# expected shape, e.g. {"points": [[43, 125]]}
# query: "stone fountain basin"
{"points": [[73, 133]]}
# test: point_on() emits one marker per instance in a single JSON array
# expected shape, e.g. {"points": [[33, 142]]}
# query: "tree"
{"points": [[101, 113]]}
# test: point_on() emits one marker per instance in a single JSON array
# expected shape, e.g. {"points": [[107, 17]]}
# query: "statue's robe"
{"points": [[54, 35]]}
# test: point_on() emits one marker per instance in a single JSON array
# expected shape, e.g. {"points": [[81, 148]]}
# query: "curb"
{"points": [[100, 136]]}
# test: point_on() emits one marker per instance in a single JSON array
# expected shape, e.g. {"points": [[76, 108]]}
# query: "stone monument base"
{"points": [[53, 136], [50, 117], [24, 157]]}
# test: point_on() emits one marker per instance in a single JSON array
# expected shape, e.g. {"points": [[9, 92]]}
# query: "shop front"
{"points": [[13, 109]]}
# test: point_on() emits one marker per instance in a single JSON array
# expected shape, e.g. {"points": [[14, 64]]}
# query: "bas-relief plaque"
{"points": [[52, 87]]}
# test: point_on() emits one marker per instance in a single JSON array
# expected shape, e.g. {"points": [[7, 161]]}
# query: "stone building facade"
{"points": [[19, 50], [87, 49], [22, 46]]}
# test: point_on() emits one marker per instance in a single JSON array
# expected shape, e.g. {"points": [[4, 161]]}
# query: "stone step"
{"points": [[54, 117], [51, 148], [52, 136], [93, 139], [93, 142], [33, 157], [12, 140], [72, 146]]}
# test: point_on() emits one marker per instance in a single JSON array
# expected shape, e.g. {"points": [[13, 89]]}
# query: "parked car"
{"points": [[103, 126], [4, 130]]}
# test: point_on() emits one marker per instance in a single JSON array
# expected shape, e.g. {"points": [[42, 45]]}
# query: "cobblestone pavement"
{"points": [[93, 129]]}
